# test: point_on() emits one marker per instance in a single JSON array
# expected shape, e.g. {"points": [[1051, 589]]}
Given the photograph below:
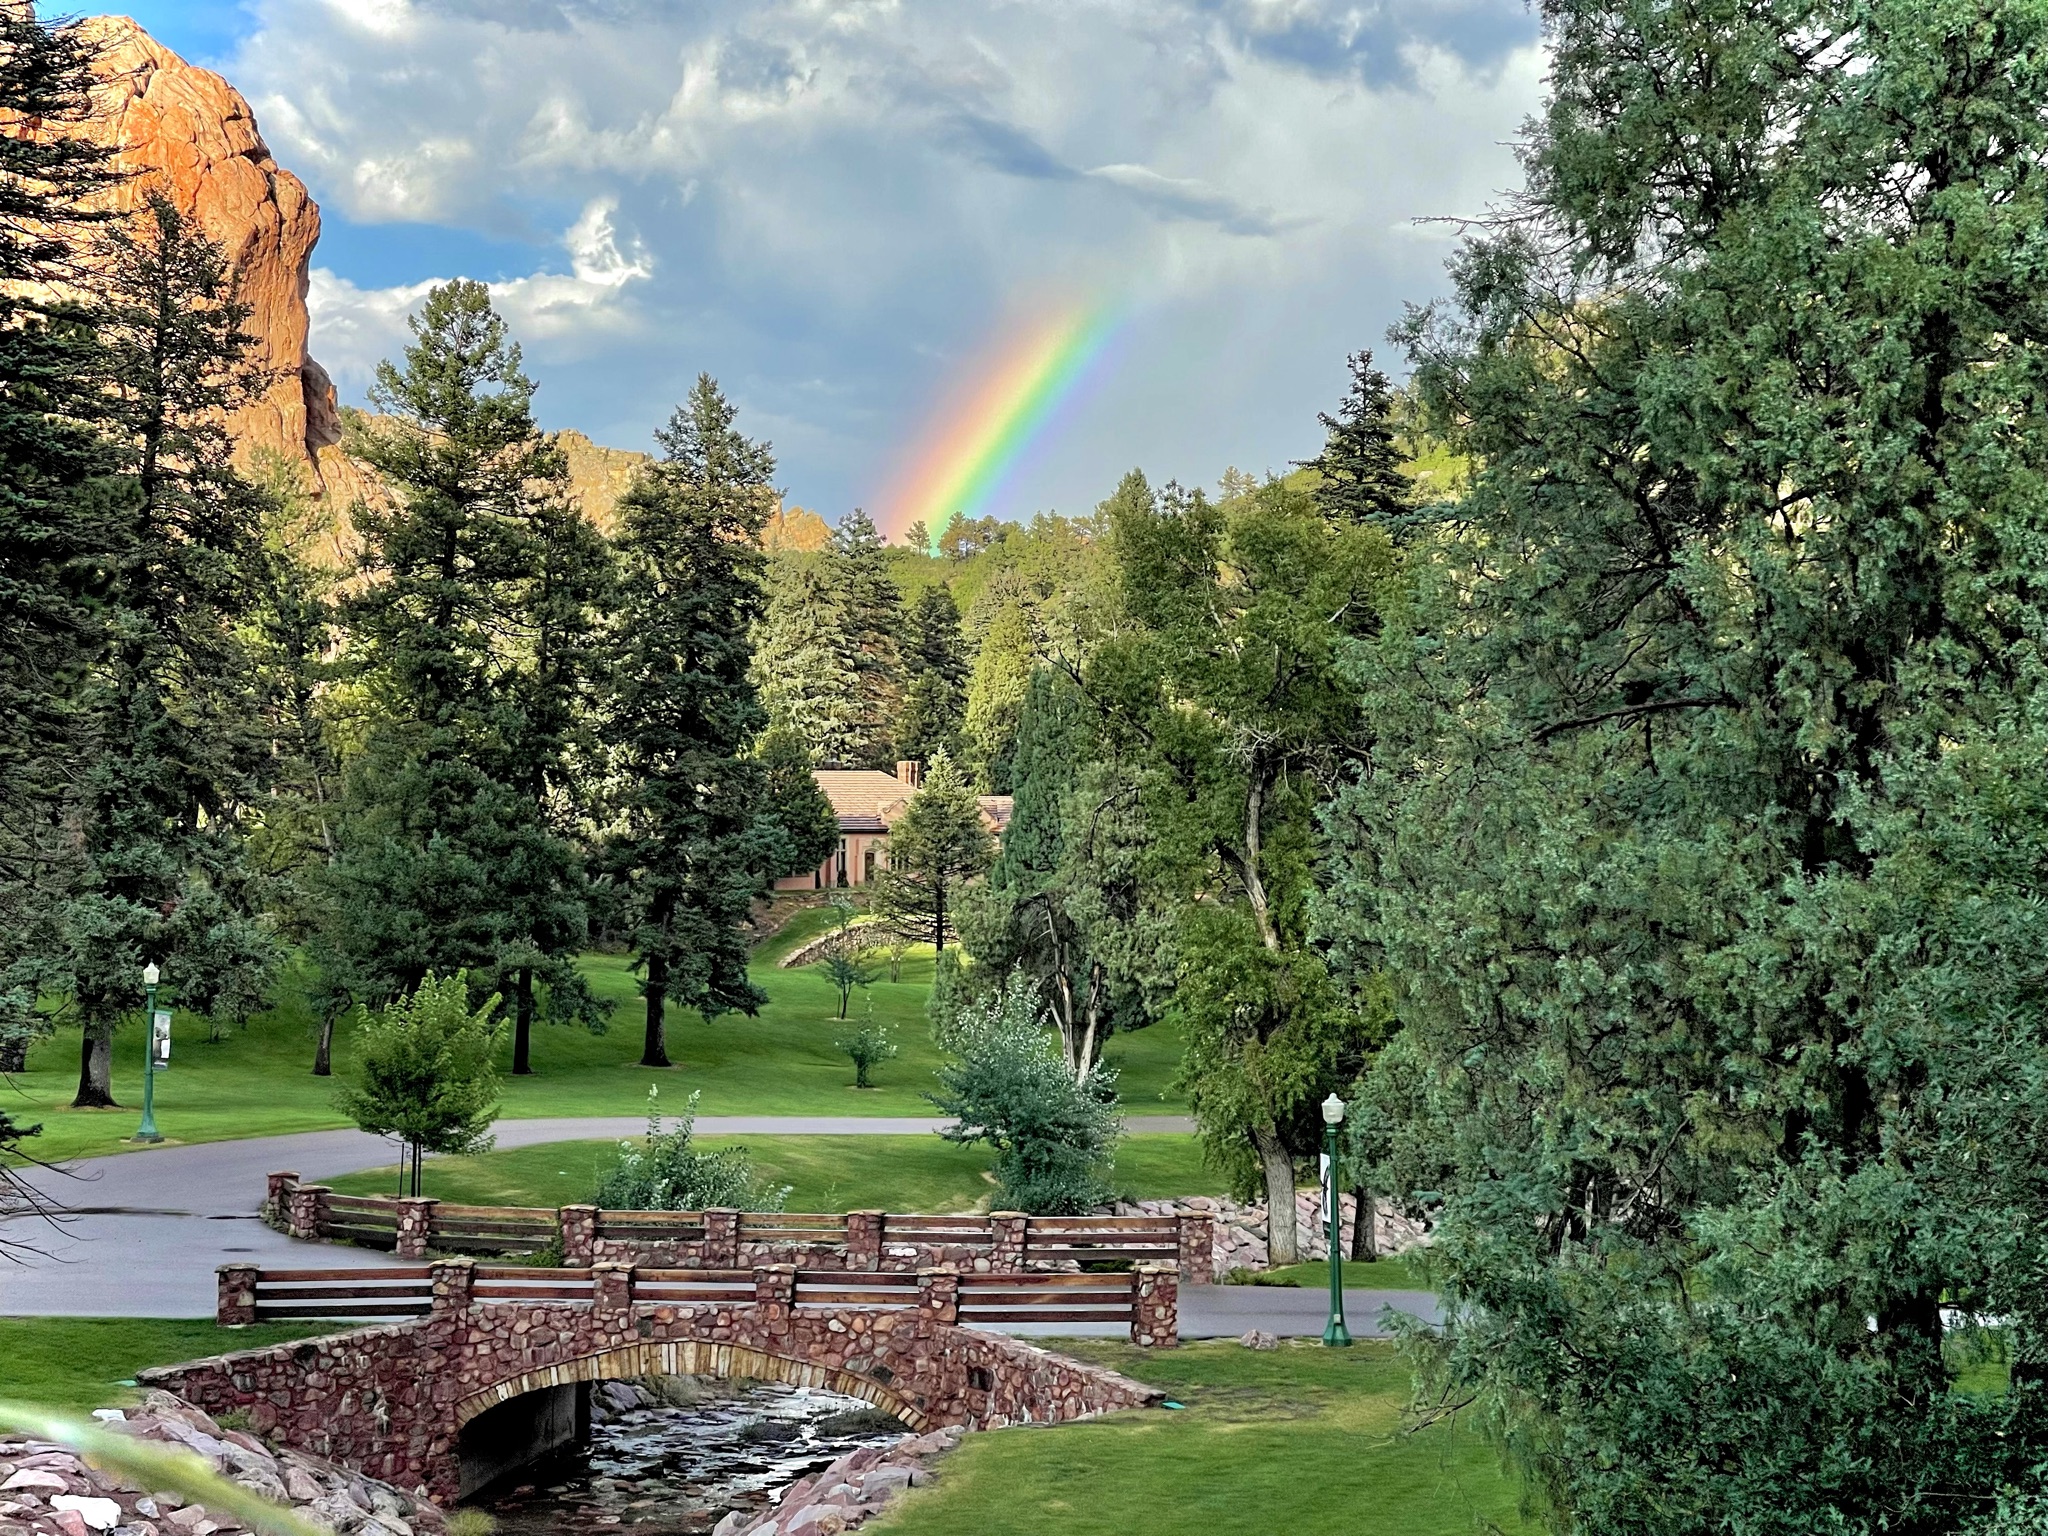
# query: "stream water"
{"points": [[681, 1464]]}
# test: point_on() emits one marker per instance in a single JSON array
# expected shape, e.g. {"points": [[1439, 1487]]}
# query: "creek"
{"points": [[690, 1451]]}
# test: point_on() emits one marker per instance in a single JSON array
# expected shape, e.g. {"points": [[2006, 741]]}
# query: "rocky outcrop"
{"points": [[186, 131], [848, 1493], [46, 1490]]}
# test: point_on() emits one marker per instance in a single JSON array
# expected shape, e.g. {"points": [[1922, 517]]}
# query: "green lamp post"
{"points": [[1335, 1333], [148, 1131]]}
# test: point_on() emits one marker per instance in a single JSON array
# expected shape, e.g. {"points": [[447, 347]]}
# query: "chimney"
{"points": [[911, 773]]}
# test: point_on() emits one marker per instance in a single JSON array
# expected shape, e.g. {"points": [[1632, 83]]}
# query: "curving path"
{"points": [[147, 1229]]}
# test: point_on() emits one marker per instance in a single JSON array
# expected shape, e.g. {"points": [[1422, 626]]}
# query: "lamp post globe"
{"points": [[1335, 1333], [147, 1131]]}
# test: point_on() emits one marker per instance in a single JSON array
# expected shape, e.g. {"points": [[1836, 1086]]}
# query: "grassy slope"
{"points": [[78, 1363], [825, 1173], [259, 1083], [1300, 1439]]}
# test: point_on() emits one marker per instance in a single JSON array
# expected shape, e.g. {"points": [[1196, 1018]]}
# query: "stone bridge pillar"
{"points": [[864, 1239], [775, 1295], [938, 1295], [415, 1225], [235, 1306], [721, 1239], [1155, 1305], [611, 1291], [454, 1286], [308, 1211], [578, 1226], [1197, 1230], [1009, 1232], [277, 1199]]}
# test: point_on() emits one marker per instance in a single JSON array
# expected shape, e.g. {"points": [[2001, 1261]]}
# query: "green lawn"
{"points": [[825, 1173], [78, 1364], [1302, 1440], [259, 1081], [1401, 1273]]}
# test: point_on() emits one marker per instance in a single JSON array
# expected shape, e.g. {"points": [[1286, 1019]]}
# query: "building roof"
{"points": [[995, 810], [864, 799]]}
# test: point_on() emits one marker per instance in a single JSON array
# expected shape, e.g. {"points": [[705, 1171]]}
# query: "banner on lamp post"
{"points": [[160, 1040]]}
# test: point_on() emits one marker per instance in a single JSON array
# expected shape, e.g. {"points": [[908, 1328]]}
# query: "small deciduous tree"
{"points": [[424, 1071], [867, 1046], [1007, 1087]]}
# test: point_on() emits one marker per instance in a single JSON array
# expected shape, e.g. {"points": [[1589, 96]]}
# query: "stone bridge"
{"points": [[445, 1402]]}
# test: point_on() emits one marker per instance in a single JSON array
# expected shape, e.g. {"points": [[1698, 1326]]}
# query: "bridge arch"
{"points": [[689, 1357]]}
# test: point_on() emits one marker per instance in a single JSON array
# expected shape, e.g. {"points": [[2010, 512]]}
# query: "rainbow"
{"points": [[972, 453]]}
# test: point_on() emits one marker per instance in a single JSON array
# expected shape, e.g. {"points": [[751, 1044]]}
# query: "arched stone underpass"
{"points": [[392, 1401], [690, 1357]]}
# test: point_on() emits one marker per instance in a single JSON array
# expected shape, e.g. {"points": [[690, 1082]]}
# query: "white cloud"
{"points": [[826, 202], [354, 328]]}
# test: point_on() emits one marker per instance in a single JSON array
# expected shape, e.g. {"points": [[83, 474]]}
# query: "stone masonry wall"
{"points": [[1240, 1230], [390, 1401]]}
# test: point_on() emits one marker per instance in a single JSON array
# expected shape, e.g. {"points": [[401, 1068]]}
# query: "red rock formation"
{"points": [[189, 132]]}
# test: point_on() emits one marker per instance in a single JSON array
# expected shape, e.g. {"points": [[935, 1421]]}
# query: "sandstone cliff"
{"points": [[190, 132]]}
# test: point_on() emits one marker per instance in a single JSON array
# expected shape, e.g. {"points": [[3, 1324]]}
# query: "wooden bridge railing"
{"points": [[1005, 1242], [1144, 1298]]}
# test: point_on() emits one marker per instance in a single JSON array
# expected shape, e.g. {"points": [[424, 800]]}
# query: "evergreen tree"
{"points": [[475, 643], [54, 542], [703, 829], [936, 846], [1003, 665], [871, 607], [171, 764], [935, 674], [1359, 475], [1704, 833], [806, 665]]}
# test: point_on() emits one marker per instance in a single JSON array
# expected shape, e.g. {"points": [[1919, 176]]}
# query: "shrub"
{"points": [[666, 1173], [1007, 1085]]}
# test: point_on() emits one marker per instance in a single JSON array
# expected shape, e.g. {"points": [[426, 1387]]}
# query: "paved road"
{"points": [[148, 1228]]}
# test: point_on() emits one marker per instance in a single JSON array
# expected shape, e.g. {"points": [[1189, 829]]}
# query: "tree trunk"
{"points": [[1283, 1241], [939, 916], [323, 1052], [14, 1054], [654, 1048], [522, 1025], [1364, 1239], [95, 1071]]}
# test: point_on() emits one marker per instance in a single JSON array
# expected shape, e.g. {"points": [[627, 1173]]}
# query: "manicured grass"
{"points": [[78, 1364], [1302, 1440], [259, 1081], [1400, 1273], [825, 1173]]}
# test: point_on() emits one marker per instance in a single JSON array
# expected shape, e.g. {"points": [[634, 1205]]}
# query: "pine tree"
{"points": [[1703, 835], [171, 765], [1359, 477], [54, 541], [1003, 666], [475, 643], [935, 674], [871, 607], [703, 825], [936, 846], [806, 665]]}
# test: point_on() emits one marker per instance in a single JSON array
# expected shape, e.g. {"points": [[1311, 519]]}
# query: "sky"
{"points": [[847, 211]]}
